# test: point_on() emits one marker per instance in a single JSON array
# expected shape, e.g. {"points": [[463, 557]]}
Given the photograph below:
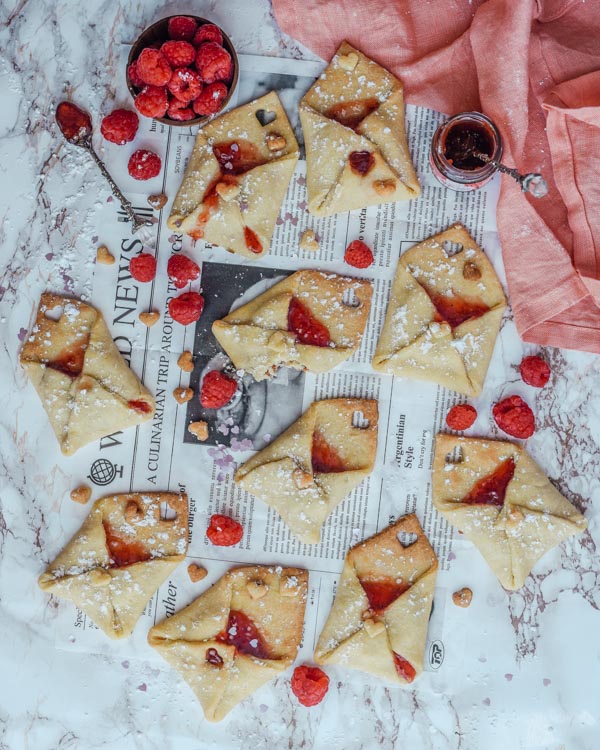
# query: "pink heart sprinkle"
{"points": [[143, 687]]}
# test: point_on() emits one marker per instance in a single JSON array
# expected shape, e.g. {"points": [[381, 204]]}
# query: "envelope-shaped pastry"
{"points": [[237, 178], [444, 314], [309, 321], [123, 552], [503, 502], [356, 149], [309, 469], [83, 381], [241, 633], [379, 619]]}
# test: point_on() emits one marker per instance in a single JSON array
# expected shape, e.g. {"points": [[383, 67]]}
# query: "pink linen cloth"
{"points": [[533, 66]]}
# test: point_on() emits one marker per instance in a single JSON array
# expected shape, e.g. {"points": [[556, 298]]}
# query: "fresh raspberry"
{"points": [[309, 685], [514, 417], [307, 328], [179, 110], [211, 99], [179, 54], [461, 417], [153, 67], [152, 101], [182, 27], [144, 164], [224, 531], [535, 371], [213, 63], [134, 76], [185, 84], [143, 267], [217, 390], [358, 255], [182, 270], [208, 33], [120, 126], [186, 308]]}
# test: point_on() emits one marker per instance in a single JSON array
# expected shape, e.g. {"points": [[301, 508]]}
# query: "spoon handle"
{"points": [[136, 221], [532, 183]]}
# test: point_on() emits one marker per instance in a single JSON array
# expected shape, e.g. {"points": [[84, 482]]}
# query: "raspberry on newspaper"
{"points": [[358, 255], [224, 531], [143, 267], [186, 308], [217, 390], [461, 417], [120, 126], [144, 164], [182, 270]]}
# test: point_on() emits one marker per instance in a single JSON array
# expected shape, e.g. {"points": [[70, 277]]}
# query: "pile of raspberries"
{"points": [[187, 76]]}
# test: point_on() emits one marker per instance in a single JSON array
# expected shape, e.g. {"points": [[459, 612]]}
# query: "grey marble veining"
{"points": [[527, 676]]}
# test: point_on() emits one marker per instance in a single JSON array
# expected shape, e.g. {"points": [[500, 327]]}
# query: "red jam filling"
{"points": [[351, 114], [307, 328], [491, 490], [122, 550], [361, 162], [213, 657], [73, 122], [404, 668], [70, 362], [455, 310], [383, 592], [325, 458], [462, 140], [237, 157], [242, 633], [142, 406], [252, 242]]}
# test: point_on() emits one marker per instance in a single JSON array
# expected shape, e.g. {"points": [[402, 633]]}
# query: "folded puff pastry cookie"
{"points": [[356, 149], [85, 385], [309, 469], [309, 321], [444, 314], [379, 619], [244, 631], [237, 178], [123, 552], [503, 502]]}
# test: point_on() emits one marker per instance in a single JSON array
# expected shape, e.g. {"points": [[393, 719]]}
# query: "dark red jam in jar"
{"points": [[453, 148]]}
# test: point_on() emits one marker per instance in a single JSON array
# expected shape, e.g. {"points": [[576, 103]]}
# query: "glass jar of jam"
{"points": [[453, 147]]}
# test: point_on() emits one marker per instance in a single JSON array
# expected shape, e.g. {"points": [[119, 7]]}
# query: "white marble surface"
{"points": [[548, 694]]}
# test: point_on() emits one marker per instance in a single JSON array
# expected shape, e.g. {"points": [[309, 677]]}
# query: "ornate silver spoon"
{"points": [[532, 183], [76, 126]]}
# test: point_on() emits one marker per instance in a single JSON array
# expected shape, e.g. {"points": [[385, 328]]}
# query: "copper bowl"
{"points": [[158, 32]]}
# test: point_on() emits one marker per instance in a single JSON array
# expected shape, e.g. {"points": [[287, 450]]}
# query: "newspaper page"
{"points": [[163, 455]]}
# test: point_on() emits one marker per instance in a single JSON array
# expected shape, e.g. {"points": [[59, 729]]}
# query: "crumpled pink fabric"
{"points": [[533, 66]]}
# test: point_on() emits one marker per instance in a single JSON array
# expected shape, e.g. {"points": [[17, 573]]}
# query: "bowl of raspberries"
{"points": [[182, 70]]}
